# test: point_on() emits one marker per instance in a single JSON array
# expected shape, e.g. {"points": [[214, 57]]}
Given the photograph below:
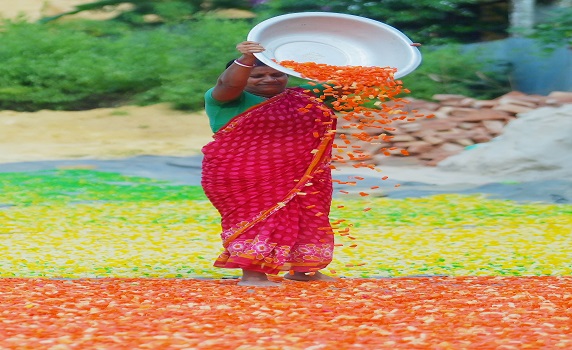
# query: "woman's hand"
{"points": [[248, 49]]}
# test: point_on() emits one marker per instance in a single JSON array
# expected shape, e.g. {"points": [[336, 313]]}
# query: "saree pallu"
{"points": [[267, 173]]}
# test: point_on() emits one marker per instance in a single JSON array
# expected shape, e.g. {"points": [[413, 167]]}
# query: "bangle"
{"points": [[243, 65]]}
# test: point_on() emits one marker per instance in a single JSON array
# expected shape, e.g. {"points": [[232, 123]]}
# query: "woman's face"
{"points": [[266, 82]]}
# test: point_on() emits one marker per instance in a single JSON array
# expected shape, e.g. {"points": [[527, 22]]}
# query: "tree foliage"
{"points": [[426, 21], [556, 31]]}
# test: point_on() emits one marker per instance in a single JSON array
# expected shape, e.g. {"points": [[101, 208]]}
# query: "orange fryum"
{"points": [[195, 309], [358, 94]]}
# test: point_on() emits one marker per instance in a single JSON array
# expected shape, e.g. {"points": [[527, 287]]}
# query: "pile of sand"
{"points": [[537, 145]]}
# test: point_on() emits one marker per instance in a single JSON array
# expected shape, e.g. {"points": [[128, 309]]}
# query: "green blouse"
{"points": [[220, 113]]}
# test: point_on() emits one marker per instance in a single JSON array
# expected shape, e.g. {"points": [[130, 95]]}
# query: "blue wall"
{"points": [[533, 70]]}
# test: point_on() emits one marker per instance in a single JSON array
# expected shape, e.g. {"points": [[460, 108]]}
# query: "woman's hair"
{"points": [[258, 63]]}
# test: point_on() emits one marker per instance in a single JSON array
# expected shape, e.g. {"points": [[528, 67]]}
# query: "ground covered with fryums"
{"points": [[105, 261]]}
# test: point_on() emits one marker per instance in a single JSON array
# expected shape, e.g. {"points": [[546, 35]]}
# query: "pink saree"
{"points": [[267, 173]]}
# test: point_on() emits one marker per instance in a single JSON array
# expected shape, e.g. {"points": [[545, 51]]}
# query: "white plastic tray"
{"points": [[335, 39]]}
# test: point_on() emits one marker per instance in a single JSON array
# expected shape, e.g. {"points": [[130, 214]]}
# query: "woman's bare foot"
{"points": [[302, 276], [256, 279]]}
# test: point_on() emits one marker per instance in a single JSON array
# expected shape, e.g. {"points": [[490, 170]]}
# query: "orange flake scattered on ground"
{"points": [[406, 313]]}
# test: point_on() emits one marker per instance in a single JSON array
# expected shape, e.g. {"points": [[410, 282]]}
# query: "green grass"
{"points": [[66, 186]]}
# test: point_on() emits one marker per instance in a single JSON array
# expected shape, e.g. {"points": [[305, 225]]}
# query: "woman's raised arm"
{"points": [[232, 81]]}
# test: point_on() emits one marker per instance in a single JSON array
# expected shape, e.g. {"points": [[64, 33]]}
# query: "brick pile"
{"points": [[459, 122]]}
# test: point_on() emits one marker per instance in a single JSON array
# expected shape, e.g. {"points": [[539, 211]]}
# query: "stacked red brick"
{"points": [[458, 122]]}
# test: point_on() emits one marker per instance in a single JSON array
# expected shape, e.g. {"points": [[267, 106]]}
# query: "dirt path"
{"points": [[101, 133], [35, 9]]}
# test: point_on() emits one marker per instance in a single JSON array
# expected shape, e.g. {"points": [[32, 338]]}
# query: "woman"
{"points": [[267, 172]]}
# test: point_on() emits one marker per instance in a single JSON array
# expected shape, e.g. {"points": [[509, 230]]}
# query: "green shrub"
{"points": [[453, 70], [61, 69], [58, 66]]}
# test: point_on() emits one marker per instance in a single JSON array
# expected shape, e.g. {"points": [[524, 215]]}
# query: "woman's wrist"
{"points": [[237, 62], [246, 60]]}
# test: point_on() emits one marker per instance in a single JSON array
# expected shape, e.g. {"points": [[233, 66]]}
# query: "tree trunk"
{"points": [[521, 16]]}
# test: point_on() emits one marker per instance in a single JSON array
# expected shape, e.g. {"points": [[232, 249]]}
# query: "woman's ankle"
{"points": [[255, 279], [253, 275]]}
